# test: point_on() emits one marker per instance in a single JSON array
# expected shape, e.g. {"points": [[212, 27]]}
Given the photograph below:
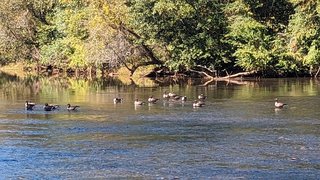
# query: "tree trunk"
{"points": [[148, 51], [317, 72]]}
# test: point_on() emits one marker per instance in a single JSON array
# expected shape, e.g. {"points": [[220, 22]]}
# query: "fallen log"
{"points": [[238, 74], [232, 79], [228, 81], [202, 72]]}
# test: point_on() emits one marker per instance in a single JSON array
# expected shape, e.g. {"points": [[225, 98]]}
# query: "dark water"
{"points": [[237, 135]]}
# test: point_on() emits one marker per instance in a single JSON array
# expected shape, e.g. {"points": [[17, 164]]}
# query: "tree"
{"points": [[304, 33], [182, 33], [274, 14], [62, 38], [248, 37], [20, 20]]}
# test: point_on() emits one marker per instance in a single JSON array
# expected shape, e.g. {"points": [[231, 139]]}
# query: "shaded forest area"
{"points": [[269, 38]]}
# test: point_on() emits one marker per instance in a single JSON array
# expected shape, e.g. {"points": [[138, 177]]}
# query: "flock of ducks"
{"points": [[49, 107], [200, 102]]}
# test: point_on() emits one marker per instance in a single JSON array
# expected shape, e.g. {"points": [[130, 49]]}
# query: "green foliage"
{"points": [[313, 56], [16, 32], [280, 37], [283, 62], [56, 53], [63, 41], [249, 38], [272, 13], [304, 32], [189, 33]]}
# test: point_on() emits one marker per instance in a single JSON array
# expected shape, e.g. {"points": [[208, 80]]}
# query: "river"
{"points": [[238, 134]]}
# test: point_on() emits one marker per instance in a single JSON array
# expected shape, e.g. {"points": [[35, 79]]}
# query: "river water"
{"points": [[237, 135]]}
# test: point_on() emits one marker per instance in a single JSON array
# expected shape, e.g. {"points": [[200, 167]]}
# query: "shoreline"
{"points": [[23, 70]]}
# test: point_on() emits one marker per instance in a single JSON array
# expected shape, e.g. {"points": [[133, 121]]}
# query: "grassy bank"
{"points": [[16, 69]]}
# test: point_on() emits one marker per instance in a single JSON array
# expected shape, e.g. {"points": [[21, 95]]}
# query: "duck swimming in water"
{"points": [[172, 94], [165, 95], [184, 98], [278, 104], [152, 99], [117, 100], [50, 107], [202, 97], [198, 103], [138, 103], [72, 108], [29, 105]]}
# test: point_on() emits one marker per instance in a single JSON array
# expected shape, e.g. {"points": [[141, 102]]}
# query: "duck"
{"points": [[117, 100], [72, 108], [184, 98], [55, 106], [29, 105], [151, 99], [50, 107], [137, 102], [165, 95], [278, 104], [202, 97], [176, 97], [172, 95], [198, 103]]}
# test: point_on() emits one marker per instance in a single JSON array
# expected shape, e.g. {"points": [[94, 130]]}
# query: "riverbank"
{"points": [[21, 69], [16, 69], [208, 76]]}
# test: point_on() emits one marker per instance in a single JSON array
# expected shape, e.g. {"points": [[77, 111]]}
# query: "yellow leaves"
{"points": [[65, 1], [170, 47], [318, 8], [179, 9], [185, 10], [95, 22], [79, 53], [106, 9], [163, 6], [77, 59], [113, 11]]}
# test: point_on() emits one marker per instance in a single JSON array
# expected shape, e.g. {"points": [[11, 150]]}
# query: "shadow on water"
{"points": [[237, 134]]}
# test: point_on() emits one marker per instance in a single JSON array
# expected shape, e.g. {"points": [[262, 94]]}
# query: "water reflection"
{"points": [[238, 134]]}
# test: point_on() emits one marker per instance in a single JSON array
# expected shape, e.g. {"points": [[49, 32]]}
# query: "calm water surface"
{"points": [[237, 135]]}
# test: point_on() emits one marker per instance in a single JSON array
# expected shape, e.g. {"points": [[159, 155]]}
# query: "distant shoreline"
{"points": [[21, 70]]}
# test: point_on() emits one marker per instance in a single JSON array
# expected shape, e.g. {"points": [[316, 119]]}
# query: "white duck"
{"points": [[278, 104], [138, 102]]}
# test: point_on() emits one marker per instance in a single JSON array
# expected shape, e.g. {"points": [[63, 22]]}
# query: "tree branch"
{"points": [[317, 72], [239, 74], [148, 51], [39, 15], [201, 72]]}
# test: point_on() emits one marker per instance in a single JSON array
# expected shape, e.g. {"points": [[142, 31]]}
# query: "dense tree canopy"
{"points": [[188, 33], [275, 38]]}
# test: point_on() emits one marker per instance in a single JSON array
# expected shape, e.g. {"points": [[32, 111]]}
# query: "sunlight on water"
{"points": [[237, 134]]}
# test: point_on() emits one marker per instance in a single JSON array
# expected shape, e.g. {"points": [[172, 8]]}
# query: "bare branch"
{"points": [[317, 72], [148, 51], [201, 72], [239, 74]]}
